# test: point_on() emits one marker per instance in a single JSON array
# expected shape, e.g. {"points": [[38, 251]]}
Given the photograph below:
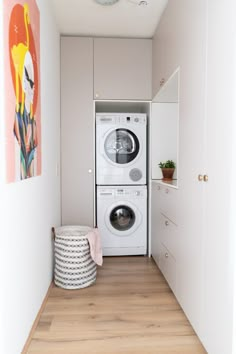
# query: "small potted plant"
{"points": [[168, 169]]}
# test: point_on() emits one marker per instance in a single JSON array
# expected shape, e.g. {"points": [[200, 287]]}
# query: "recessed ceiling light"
{"points": [[106, 2]]}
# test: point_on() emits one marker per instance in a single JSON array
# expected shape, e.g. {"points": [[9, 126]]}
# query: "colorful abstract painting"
{"points": [[22, 89]]}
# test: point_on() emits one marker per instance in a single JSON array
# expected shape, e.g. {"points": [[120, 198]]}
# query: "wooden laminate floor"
{"points": [[130, 309]]}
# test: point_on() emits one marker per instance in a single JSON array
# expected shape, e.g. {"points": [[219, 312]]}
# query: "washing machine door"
{"points": [[121, 146], [123, 219]]}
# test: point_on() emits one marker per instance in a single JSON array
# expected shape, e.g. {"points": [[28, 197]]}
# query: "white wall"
{"points": [[30, 208]]}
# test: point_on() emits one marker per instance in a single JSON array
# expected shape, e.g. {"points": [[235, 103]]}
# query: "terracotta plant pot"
{"points": [[167, 174]]}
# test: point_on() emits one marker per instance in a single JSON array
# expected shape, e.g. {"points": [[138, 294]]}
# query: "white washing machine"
{"points": [[122, 219], [121, 148]]}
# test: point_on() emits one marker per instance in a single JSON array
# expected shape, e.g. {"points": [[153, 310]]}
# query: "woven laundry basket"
{"points": [[74, 267]]}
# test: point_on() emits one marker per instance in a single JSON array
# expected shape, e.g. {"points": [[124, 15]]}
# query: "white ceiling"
{"points": [[124, 19]]}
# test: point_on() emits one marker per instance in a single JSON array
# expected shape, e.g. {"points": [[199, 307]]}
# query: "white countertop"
{"points": [[171, 184]]}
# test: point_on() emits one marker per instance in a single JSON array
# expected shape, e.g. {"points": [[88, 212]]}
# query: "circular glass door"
{"points": [[122, 218], [121, 146]]}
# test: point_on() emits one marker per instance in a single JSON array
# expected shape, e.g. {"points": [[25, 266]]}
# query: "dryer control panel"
{"points": [[121, 118]]}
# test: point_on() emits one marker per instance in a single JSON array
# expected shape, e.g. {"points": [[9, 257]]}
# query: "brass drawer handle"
{"points": [[200, 178]]}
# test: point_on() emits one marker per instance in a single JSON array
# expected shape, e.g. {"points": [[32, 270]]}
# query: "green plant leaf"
{"points": [[167, 164]]}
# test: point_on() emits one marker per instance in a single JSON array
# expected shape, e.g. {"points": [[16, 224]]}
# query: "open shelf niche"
{"points": [[122, 107], [165, 127]]}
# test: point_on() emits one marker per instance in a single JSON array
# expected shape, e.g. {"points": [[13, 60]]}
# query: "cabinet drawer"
{"points": [[168, 202], [167, 265], [156, 235], [168, 234]]}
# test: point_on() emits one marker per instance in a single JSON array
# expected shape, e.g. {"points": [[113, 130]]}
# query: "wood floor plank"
{"points": [[130, 309]]}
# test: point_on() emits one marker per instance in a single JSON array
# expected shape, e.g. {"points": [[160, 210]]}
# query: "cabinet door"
{"points": [[167, 265], [122, 68], [77, 130], [185, 47], [169, 235], [155, 222], [219, 245], [160, 63]]}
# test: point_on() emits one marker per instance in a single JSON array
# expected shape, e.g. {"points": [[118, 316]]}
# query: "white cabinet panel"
{"points": [[169, 203], [155, 222], [77, 130], [185, 47], [122, 68], [220, 247], [169, 235], [164, 230], [167, 265], [164, 136], [205, 53]]}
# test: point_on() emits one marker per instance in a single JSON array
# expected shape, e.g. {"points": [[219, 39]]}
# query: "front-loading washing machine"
{"points": [[122, 219], [121, 157]]}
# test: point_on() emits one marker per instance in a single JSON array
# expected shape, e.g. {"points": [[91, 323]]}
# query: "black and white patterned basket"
{"points": [[74, 267]]}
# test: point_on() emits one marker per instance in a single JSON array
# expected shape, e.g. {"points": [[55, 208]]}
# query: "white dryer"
{"points": [[122, 219], [121, 148]]}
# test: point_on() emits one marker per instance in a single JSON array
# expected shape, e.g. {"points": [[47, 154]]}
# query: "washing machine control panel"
{"points": [[106, 193], [131, 193], [122, 192]]}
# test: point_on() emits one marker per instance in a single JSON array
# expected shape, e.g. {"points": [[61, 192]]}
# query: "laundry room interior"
{"points": [[101, 252]]}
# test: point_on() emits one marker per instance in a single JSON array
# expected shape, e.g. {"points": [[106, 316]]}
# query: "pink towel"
{"points": [[95, 246]]}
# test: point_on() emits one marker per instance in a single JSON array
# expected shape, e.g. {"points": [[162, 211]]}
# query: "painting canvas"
{"points": [[22, 89]]}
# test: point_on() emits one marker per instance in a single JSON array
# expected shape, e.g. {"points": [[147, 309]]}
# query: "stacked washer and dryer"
{"points": [[121, 165]]}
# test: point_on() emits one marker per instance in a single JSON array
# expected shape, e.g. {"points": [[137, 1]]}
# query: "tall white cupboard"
{"points": [[199, 38], [77, 126]]}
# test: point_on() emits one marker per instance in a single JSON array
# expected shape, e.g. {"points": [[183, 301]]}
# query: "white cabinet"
{"points": [[118, 69], [182, 48], [163, 66], [168, 202], [122, 69], [219, 242], [155, 222], [164, 232], [206, 116], [169, 235], [77, 127], [167, 265]]}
